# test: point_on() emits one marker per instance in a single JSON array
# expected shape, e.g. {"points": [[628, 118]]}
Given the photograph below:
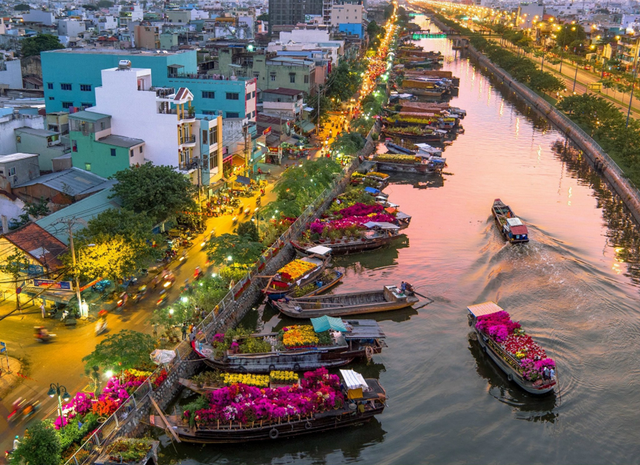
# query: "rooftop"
{"points": [[120, 141], [41, 245], [283, 91], [115, 51], [88, 116], [16, 157], [36, 132], [73, 182]]}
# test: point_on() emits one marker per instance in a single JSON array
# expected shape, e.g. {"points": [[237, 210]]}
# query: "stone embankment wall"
{"points": [[608, 168]]}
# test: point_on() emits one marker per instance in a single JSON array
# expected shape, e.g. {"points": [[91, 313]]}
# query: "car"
{"points": [[605, 74], [587, 67]]}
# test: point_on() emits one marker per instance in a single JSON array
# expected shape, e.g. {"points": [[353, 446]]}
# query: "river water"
{"points": [[574, 288]]}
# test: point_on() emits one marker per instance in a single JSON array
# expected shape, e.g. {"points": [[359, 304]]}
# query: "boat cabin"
{"points": [[515, 229]]}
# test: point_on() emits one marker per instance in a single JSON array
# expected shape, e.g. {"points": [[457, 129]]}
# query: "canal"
{"points": [[574, 288]]}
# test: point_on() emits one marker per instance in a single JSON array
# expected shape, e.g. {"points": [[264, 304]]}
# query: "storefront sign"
{"points": [[50, 284], [267, 131]]}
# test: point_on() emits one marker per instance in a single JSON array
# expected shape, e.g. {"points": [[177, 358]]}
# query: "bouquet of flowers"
{"points": [[299, 336], [295, 270], [249, 380]]}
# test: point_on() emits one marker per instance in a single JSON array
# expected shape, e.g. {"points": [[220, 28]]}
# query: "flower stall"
{"points": [[132, 451]]}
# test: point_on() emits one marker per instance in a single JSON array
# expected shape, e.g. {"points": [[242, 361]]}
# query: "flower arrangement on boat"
{"points": [[349, 220], [318, 391], [295, 270], [284, 377], [396, 158], [375, 174], [250, 380], [299, 336], [513, 339]]}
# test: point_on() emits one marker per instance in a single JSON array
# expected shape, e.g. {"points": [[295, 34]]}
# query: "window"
{"points": [[205, 138], [86, 105], [131, 153], [256, 74], [67, 105], [141, 149], [272, 76], [213, 135], [249, 115], [306, 79], [233, 96], [18, 139], [208, 112], [253, 114], [248, 96], [208, 94], [84, 87], [74, 145], [12, 171], [87, 166], [50, 85], [253, 94], [51, 98], [102, 125], [65, 86], [292, 78], [113, 152], [213, 161], [233, 114]]}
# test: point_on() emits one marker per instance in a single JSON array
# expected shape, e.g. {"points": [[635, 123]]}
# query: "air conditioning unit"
{"points": [[124, 64]]}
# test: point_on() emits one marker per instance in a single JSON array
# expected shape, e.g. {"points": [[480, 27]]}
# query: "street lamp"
{"points": [[56, 389]]}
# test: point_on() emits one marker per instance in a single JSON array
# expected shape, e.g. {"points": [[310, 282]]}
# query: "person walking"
{"points": [[184, 331]]}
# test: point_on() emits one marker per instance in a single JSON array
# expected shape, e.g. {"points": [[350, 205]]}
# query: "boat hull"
{"points": [[339, 312], [512, 374], [350, 247], [501, 211], [326, 421]]}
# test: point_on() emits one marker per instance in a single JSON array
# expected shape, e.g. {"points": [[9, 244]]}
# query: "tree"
{"points": [[112, 258], [249, 230], [545, 82], [32, 46], [90, 7], [22, 7], [570, 35], [160, 191], [122, 351], [41, 445], [263, 17], [373, 29], [14, 265], [348, 143], [233, 249], [104, 4], [33, 209]]}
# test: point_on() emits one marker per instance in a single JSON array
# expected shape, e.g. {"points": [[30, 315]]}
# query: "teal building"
{"points": [[71, 76]]}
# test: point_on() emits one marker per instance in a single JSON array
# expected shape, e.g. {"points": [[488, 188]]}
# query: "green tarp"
{"points": [[325, 323]]}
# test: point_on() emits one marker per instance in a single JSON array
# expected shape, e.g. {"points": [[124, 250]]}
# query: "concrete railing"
{"points": [[126, 421]]}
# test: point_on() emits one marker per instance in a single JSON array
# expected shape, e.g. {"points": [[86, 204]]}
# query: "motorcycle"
{"points": [[234, 220], [22, 410], [101, 327], [163, 299], [142, 291], [122, 299], [69, 317]]}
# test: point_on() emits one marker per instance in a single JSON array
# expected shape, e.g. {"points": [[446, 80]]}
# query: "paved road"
{"points": [[60, 361]]}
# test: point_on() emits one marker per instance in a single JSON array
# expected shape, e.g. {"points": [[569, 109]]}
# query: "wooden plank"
{"points": [[166, 422]]}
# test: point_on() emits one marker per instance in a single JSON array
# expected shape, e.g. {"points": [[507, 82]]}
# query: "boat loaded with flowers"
{"points": [[510, 226], [327, 342], [298, 273], [241, 413], [353, 229], [524, 361], [420, 163]]}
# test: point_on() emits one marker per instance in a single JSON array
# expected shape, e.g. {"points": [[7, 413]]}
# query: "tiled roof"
{"points": [[39, 244], [72, 182]]}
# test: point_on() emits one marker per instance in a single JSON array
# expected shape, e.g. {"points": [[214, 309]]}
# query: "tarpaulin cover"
{"points": [[243, 180], [162, 356], [325, 323], [371, 190]]}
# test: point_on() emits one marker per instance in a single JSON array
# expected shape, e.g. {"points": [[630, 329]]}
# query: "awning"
{"points": [[325, 323], [243, 180], [486, 308], [353, 380], [380, 224], [306, 126], [319, 250]]}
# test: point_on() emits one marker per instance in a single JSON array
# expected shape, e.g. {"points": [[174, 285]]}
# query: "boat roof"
{"points": [[353, 380], [519, 230], [380, 224], [486, 308], [325, 323], [515, 222], [371, 190], [402, 216], [363, 329], [319, 250]]}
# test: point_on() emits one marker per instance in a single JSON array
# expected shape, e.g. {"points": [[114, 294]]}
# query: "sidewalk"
{"points": [[9, 376]]}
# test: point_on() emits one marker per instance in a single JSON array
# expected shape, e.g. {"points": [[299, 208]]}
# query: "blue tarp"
{"points": [[325, 323], [371, 190], [243, 180]]}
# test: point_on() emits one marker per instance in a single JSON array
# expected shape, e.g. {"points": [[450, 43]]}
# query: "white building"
{"points": [[11, 119], [10, 75], [107, 23], [38, 16], [163, 118], [70, 27]]}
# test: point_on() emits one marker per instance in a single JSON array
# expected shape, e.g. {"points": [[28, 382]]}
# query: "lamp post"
{"points": [[56, 389]]}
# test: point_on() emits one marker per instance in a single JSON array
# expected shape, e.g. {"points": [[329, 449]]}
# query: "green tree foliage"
{"points": [[242, 250], [263, 17], [571, 35], [105, 4], [159, 191], [90, 7], [348, 143], [32, 46], [249, 230], [41, 445], [22, 7], [35, 210], [121, 351], [14, 265]]}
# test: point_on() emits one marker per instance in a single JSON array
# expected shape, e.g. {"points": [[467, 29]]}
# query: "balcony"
{"points": [[189, 141]]}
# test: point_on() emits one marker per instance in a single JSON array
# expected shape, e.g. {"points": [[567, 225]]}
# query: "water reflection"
{"points": [[384, 257], [526, 406]]}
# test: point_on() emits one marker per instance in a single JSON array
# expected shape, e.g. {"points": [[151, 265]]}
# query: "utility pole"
{"points": [[575, 78], [70, 222], [633, 81]]}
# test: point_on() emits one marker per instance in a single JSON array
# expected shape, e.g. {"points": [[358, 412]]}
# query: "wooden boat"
{"points": [[360, 338], [511, 227], [426, 135], [372, 239], [352, 303], [424, 163], [324, 282], [508, 362], [281, 284], [364, 398]]}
